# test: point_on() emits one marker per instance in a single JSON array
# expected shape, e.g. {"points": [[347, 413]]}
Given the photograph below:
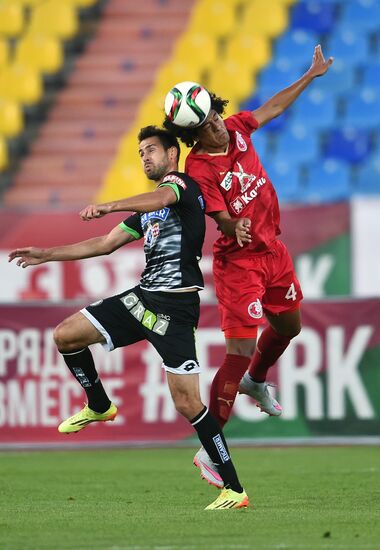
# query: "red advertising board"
{"points": [[328, 380]]}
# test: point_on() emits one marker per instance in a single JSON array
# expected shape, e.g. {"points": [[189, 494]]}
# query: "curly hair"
{"points": [[189, 136]]}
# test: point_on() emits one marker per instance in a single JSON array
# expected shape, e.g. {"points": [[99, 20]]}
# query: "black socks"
{"points": [[82, 366], [211, 436]]}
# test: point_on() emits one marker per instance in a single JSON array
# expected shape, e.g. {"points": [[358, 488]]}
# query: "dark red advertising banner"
{"points": [[328, 381]]}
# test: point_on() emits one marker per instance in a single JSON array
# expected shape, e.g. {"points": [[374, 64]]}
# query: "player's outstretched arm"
{"points": [[146, 202], [277, 104], [90, 248]]}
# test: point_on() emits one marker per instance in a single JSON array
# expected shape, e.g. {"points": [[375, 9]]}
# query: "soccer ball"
{"points": [[187, 104]]}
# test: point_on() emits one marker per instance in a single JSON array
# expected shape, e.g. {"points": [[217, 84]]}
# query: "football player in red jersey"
{"points": [[253, 271]]}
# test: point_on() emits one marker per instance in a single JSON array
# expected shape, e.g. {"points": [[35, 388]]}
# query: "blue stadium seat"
{"points": [[348, 144], [256, 101], [349, 45], [364, 14], [327, 181], [261, 145], [296, 46], [316, 108], [286, 180], [368, 181], [275, 77], [371, 75], [339, 78], [297, 144], [313, 16], [362, 109]]}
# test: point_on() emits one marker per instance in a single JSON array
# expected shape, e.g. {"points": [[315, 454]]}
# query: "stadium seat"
{"points": [[362, 109], [348, 45], [259, 19], [297, 144], [202, 47], [339, 79], [4, 52], [364, 14], [11, 19], [327, 181], [217, 18], [177, 71], [54, 18], [255, 101], [260, 142], [232, 79], [255, 49], [368, 180], [11, 118], [313, 16], [286, 181], [297, 47], [3, 154], [20, 83], [348, 144], [275, 77], [371, 75], [42, 53], [315, 107]]}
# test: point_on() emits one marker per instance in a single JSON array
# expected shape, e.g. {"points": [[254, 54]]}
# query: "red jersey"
{"points": [[237, 182]]}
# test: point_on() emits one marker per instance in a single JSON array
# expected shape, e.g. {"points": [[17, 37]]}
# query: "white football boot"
{"points": [[208, 469], [260, 393]]}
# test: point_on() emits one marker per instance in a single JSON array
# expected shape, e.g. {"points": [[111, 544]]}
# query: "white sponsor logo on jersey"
{"points": [[241, 201], [227, 181], [175, 179], [241, 144], [255, 309]]}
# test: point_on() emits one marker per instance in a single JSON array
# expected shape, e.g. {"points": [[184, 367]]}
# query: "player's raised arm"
{"points": [[277, 104], [90, 248]]}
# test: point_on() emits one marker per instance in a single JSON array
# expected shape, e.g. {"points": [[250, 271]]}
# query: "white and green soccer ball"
{"points": [[187, 104]]}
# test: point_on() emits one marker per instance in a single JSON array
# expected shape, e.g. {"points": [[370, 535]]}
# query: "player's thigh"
{"points": [[75, 332]]}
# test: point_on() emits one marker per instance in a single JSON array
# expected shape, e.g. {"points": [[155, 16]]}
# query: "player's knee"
{"points": [[187, 406], [63, 338]]}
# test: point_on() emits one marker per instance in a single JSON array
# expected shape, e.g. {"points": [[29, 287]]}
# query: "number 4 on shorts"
{"points": [[292, 293]]}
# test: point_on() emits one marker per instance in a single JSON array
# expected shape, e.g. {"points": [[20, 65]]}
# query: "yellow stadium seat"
{"points": [[83, 3], [21, 84], [260, 19], [4, 52], [11, 118], [199, 46], [216, 18], [176, 71], [11, 18], [28, 3], [42, 53], [124, 180], [232, 80], [254, 49], [54, 18], [3, 154]]}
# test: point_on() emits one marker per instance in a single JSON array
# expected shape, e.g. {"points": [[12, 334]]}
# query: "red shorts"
{"points": [[247, 288]]}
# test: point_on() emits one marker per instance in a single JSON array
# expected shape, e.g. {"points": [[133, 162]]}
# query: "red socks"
{"points": [[268, 349], [225, 385]]}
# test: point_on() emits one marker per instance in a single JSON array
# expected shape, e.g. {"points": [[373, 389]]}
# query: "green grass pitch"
{"points": [[137, 499]]}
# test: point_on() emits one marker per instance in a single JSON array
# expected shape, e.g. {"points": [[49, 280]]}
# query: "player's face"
{"points": [[213, 133], [154, 158]]}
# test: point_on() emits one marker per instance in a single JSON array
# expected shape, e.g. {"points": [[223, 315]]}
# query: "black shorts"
{"points": [[166, 319]]}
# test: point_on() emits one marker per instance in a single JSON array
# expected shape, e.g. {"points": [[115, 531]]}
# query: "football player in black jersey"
{"points": [[163, 308]]}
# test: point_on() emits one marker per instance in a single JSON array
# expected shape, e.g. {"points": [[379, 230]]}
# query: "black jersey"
{"points": [[173, 238]]}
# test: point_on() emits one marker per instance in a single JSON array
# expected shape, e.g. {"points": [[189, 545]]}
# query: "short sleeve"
{"points": [[243, 121], [132, 225], [205, 179], [177, 183]]}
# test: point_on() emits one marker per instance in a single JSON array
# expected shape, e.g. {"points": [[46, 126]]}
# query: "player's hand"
{"points": [[94, 211], [28, 256], [243, 231], [319, 66]]}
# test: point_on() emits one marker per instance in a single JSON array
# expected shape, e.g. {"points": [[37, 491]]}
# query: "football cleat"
{"points": [[85, 417], [208, 469], [260, 393], [229, 499]]}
